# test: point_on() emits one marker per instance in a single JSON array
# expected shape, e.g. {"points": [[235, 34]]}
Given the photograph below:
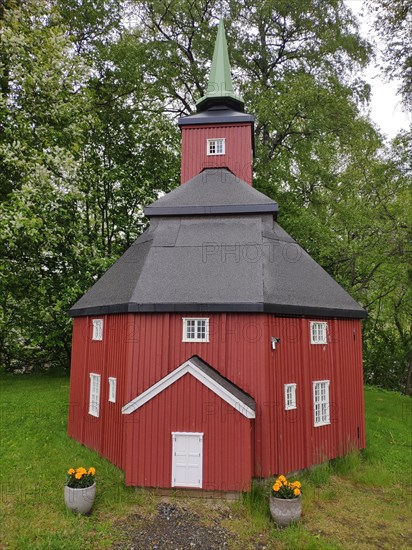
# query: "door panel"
{"points": [[187, 459]]}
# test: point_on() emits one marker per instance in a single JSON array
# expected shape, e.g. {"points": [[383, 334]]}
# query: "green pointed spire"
{"points": [[220, 79]]}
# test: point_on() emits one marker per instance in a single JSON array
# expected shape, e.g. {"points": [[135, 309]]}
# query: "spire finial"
{"points": [[220, 85]]}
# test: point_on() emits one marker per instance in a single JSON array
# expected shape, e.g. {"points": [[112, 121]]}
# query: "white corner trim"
{"points": [[188, 368]]}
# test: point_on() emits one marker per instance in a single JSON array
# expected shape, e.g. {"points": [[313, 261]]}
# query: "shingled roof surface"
{"points": [[239, 261], [213, 191]]}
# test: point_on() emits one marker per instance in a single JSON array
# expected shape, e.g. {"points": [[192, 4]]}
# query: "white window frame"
{"points": [[94, 395], [318, 332], [290, 397], [321, 403], [112, 389], [187, 321], [97, 329], [216, 142]]}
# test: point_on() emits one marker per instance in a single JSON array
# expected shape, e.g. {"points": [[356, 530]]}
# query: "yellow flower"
{"points": [[81, 471], [296, 492], [78, 475], [282, 479], [276, 487], [91, 471], [71, 471], [297, 484]]}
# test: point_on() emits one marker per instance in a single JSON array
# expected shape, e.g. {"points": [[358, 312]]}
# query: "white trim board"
{"points": [[188, 368]]}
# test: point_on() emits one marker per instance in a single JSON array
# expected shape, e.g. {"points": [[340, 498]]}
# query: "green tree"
{"points": [[341, 194], [42, 119], [393, 22], [89, 92], [80, 158]]}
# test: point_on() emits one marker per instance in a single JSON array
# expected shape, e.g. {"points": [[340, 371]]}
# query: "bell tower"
{"points": [[220, 133]]}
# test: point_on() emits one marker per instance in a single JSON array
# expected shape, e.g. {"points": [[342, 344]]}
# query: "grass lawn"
{"points": [[362, 501]]}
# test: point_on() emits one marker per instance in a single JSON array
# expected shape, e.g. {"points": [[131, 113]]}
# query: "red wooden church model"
{"points": [[216, 350]]}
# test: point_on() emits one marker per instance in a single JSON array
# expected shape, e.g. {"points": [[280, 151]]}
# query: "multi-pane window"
{"points": [[94, 398], [112, 389], [216, 146], [290, 396], [97, 329], [318, 332], [195, 330], [321, 408]]}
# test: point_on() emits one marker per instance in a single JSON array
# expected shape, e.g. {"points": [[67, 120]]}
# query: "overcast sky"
{"points": [[385, 108]]}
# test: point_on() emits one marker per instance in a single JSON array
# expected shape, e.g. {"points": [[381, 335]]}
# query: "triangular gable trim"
{"points": [[189, 368]]}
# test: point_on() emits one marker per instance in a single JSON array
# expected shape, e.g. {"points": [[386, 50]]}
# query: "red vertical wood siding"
{"points": [[286, 449], [140, 349], [79, 365], [352, 413], [108, 358], [117, 339], [227, 458], [296, 442], [238, 150], [321, 366], [235, 349]]}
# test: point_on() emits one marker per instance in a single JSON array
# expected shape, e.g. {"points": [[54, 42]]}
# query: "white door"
{"points": [[187, 459]]}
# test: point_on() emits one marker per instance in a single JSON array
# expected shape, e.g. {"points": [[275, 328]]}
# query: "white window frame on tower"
{"points": [[195, 329], [318, 332], [321, 403], [290, 397], [97, 329], [216, 146], [94, 396]]}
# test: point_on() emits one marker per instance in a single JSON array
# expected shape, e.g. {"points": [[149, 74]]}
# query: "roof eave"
{"points": [[216, 117], [248, 307]]}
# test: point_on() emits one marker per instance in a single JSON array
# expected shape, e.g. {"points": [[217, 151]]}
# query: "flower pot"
{"points": [[80, 500], [285, 510]]}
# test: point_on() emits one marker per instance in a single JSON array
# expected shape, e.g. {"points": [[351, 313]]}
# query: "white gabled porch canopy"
{"points": [[234, 396]]}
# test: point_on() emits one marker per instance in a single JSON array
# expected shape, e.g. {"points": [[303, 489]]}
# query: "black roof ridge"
{"points": [[238, 392], [150, 211]]}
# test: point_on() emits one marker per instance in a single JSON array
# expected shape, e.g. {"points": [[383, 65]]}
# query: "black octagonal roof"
{"points": [[237, 261]]}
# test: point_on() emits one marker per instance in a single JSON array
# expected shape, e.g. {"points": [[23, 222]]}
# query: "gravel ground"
{"points": [[172, 528]]}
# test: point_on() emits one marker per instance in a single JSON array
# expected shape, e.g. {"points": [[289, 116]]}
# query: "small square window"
{"points": [[112, 389], [321, 413], [195, 330], [318, 333], [290, 396], [216, 146], [97, 329]]}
